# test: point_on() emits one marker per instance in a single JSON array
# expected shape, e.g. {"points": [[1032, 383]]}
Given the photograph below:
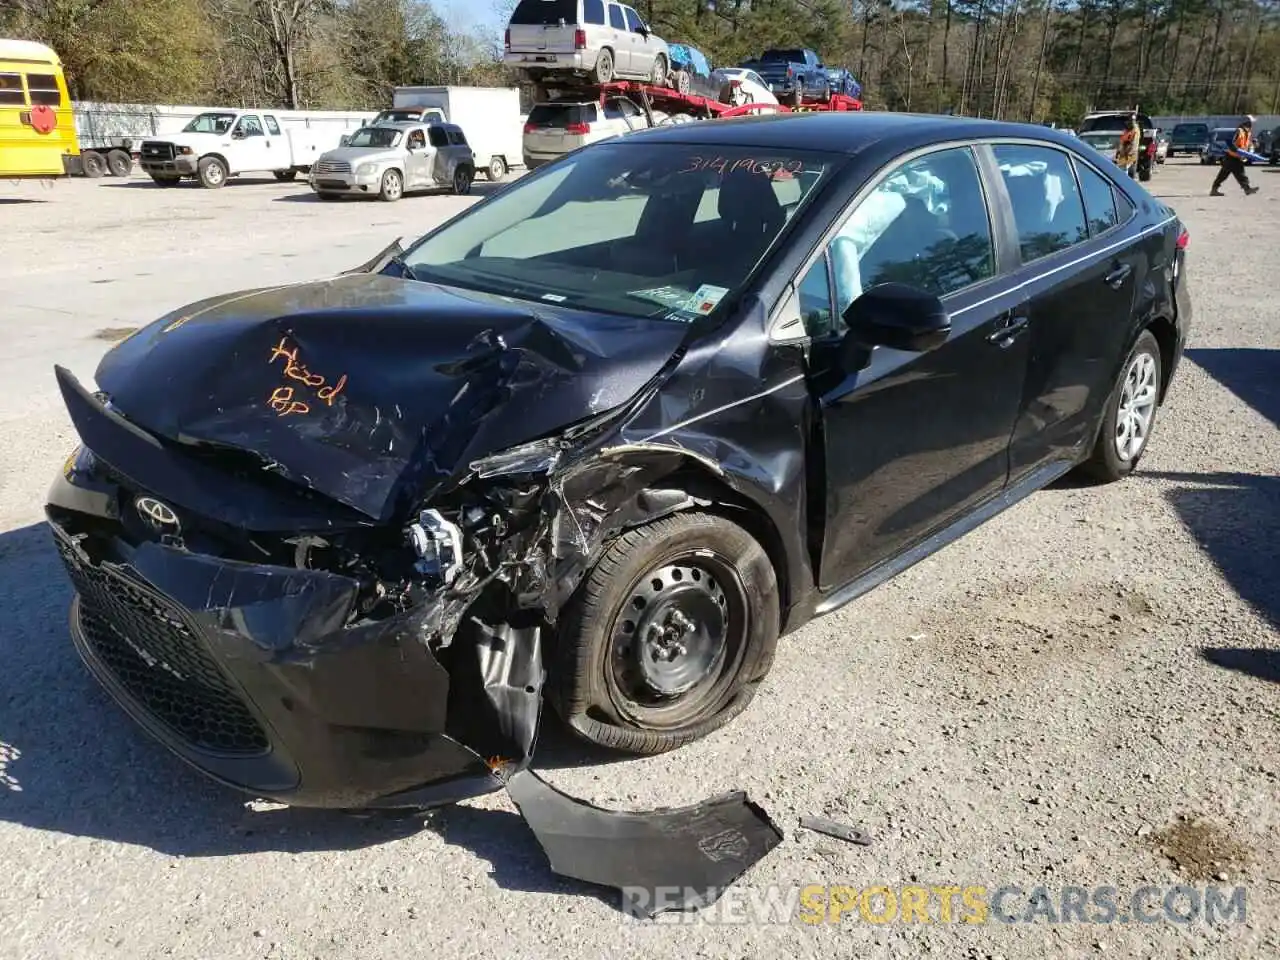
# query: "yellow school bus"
{"points": [[37, 128]]}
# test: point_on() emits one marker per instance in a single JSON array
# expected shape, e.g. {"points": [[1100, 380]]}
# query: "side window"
{"points": [[43, 88], [1047, 208], [593, 12], [250, 126], [616, 19], [272, 127], [437, 137], [634, 23], [925, 224], [613, 109], [815, 300], [456, 138], [417, 140], [1099, 199], [628, 108], [11, 90]]}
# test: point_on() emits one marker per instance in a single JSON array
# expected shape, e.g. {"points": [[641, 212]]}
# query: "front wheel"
{"points": [[165, 181], [669, 635], [462, 178], [392, 188], [1129, 415], [212, 173]]}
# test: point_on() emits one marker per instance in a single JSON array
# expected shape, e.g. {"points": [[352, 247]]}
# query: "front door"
{"points": [[252, 148], [1081, 278], [418, 160], [621, 39], [641, 64], [913, 440]]}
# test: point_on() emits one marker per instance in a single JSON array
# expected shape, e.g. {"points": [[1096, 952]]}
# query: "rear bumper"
{"points": [[579, 61], [251, 674]]}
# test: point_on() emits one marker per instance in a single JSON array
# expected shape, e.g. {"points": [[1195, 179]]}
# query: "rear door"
{"points": [[543, 26], [1081, 269], [438, 144]]}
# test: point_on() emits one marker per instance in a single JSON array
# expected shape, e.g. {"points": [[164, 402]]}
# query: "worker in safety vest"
{"points": [[1127, 148], [1233, 160]]}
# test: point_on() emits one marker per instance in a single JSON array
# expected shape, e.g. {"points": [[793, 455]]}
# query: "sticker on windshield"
{"points": [[705, 299], [677, 298]]}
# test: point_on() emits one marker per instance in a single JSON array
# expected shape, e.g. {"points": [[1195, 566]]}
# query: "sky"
{"points": [[465, 14]]}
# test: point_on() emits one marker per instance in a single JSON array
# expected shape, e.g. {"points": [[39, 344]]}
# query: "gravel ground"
{"points": [[1084, 692]]}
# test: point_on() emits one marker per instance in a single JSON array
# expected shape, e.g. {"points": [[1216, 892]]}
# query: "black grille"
{"points": [[156, 150], [155, 654]]}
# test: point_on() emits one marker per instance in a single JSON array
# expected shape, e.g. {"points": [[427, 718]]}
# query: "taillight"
{"points": [[577, 129], [1183, 239], [530, 128], [579, 39], [1151, 149]]}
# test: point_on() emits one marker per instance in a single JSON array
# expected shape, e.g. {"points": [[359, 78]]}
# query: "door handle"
{"points": [[1010, 329], [1118, 276]]}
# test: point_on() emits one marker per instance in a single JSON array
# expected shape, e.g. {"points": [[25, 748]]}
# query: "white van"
{"points": [[596, 39]]}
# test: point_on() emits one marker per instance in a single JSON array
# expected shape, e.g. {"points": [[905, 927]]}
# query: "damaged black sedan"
{"points": [[619, 426]]}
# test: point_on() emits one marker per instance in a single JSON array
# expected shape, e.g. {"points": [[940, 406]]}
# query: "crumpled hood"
{"points": [[367, 388]]}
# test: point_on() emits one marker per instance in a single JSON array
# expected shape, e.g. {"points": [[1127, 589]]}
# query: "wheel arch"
{"points": [[214, 155], [1166, 334]]}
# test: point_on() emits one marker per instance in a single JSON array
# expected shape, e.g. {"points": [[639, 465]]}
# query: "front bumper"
{"points": [[345, 182], [184, 166], [250, 674]]}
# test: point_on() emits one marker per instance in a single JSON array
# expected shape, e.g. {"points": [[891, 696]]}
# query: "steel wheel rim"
{"points": [[678, 642], [1137, 409], [214, 173], [392, 185]]}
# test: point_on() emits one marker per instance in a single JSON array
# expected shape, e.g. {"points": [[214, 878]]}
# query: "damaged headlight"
{"points": [[540, 456]]}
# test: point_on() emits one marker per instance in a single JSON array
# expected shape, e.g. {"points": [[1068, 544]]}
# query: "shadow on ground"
{"points": [[72, 762], [1251, 373], [1235, 518], [481, 188], [14, 201], [1261, 663], [136, 183]]}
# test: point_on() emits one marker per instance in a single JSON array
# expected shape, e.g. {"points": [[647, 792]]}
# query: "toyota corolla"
{"points": [[621, 425]]}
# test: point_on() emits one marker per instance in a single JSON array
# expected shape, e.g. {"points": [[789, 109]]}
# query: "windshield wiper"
{"points": [[405, 269]]}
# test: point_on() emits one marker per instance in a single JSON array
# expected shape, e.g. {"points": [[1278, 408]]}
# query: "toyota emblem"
{"points": [[159, 516]]}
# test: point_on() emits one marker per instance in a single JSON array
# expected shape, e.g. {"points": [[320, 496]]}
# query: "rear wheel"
{"points": [[93, 165], [669, 635], [658, 75], [284, 176], [681, 81], [1129, 415], [392, 188], [462, 180], [120, 163], [497, 169], [212, 173], [602, 72]]}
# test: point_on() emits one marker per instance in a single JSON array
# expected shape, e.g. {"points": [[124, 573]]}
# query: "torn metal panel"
{"points": [[838, 830], [661, 859], [347, 389]]}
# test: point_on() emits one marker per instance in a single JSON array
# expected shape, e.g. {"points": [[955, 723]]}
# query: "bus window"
{"points": [[43, 88], [11, 90]]}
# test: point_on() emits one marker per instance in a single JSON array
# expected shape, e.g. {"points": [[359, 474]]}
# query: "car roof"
{"points": [[845, 132], [398, 124]]}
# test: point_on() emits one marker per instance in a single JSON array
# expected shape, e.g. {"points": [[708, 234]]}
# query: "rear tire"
{"points": [[658, 75], [668, 636], [463, 177], [212, 173], [120, 163], [681, 82], [1130, 414], [93, 165], [602, 72], [497, 169], [284, 176]]}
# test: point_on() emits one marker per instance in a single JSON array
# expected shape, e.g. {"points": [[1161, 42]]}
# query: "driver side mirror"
{"points": [[237, 134], [893, 315]]}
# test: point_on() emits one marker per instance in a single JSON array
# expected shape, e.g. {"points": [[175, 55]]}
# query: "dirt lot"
{"points": [[1084, 692]]}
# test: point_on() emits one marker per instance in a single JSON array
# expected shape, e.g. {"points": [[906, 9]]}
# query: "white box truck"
{"points": [[489, 116]]}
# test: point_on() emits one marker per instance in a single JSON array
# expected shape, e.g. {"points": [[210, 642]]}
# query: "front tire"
{"points": [[1129, 415], [392, 188], [669, 635], [462, 180], [212, 173]]}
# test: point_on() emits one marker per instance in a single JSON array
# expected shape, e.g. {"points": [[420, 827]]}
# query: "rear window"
{"points": [[1190, 130], [786, 56], [545, 12], [1224, 135], [456, 138], [561, 114], [593, 12], [11, 89], [437, 137], [1112, 122], [43, 88]]}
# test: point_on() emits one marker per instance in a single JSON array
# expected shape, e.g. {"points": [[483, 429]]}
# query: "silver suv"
{"points": [[388, 160], [596, 39]]}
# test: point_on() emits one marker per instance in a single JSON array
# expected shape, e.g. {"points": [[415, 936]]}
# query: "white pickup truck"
{"points": [[221, 144]]}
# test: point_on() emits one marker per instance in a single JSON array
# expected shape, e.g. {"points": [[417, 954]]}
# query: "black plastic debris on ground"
{"points": [[660, 860]]}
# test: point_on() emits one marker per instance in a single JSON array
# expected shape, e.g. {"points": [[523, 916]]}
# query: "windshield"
{"points": [[666, 231], [786, 56], [381, 137], [210, 123], [1190, 130]]}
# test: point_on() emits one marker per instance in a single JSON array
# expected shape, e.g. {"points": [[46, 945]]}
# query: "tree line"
{"points": [[1036, 60]]}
